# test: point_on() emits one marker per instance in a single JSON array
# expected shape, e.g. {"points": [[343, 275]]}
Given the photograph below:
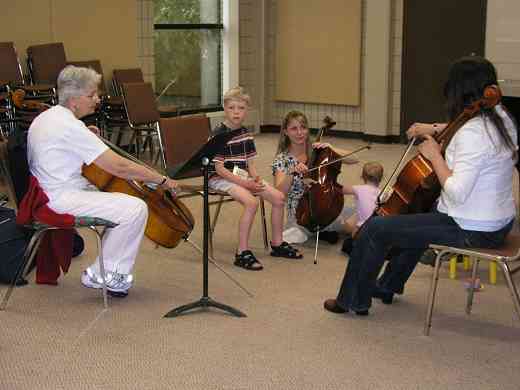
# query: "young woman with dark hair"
{"points": [[476, 206]]}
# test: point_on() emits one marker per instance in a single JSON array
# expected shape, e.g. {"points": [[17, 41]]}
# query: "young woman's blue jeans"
{"points": [[403, 239]]}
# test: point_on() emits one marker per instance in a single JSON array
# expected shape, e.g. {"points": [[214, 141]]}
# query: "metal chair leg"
{"points": [[264, 225], [137, 144], [431, 295], [99, 238], [161, 147], [511, 285], [28, 256], [471, 290], [316, 246]]}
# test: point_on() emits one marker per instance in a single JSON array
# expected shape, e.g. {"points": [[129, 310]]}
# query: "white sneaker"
{"points": [[118, 283]]}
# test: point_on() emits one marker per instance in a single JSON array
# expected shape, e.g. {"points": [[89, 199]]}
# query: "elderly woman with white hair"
{"points": [[59, 144]]}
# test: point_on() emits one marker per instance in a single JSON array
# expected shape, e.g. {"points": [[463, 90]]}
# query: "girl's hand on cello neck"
{"points": [[321, 145], [421, 129]]}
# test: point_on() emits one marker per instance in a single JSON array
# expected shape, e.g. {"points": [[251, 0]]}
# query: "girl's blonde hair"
{"points": [[237, 93], [285, 142], [372, 172]]}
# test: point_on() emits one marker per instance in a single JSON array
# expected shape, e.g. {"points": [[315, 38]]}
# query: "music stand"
{"points": [[202, 159]]}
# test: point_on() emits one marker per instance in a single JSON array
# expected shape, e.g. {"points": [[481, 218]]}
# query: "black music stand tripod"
{"points": [[202, 159]]}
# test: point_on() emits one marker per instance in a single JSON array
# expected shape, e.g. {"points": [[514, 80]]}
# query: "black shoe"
{"points": [[118, 294], [332, 306], [21, 282], [330, 237], [285, 250], [247, 260], [428, 257], [386, 297]]}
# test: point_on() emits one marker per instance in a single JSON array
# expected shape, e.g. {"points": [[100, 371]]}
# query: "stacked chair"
{"points": [[135, 75], [20, 100], [121, 76], [45, 62], [143, 118], [112, 107]]}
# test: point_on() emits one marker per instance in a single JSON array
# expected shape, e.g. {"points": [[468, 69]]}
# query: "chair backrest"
{"points": [[139, 100], [95, 65], [182, 137], [121, 76], [13, 161], [45, 62], [10, 69]]}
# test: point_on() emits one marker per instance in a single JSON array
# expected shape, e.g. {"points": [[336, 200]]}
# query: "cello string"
{"points": [[398, 167], [125, 154]]}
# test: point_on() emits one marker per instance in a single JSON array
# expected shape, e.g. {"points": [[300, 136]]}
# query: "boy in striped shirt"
{"points": [[235, 173]]}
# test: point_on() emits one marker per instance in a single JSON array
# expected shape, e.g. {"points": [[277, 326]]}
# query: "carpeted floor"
{"points": [[60, 338]]}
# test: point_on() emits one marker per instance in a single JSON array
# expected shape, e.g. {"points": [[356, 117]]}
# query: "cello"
{"points": [[169, 220], [417, 188], [322, 201]]}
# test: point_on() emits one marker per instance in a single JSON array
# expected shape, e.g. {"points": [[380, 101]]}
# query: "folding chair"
{"points": [[135, 75], [182, 136], [37, 229], [143, 117], [12, 78], [505, 257], [7, 113], [121, 76], [45, 62]]}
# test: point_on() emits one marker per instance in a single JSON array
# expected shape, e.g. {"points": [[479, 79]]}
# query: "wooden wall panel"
{"points": [[318, 51]]}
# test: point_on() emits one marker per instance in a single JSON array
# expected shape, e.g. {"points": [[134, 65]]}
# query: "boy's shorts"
{"points": [[220, 184]]}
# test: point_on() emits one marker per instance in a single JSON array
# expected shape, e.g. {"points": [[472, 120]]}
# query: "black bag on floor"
{"points": [[13, 241]]}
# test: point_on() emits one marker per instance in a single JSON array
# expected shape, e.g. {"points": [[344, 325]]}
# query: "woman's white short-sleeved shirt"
{"points": [[58, 146]]}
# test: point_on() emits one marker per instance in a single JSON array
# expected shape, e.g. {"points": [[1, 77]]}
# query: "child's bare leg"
{"points": [[250, 204], [350, 225], [277, 200]]}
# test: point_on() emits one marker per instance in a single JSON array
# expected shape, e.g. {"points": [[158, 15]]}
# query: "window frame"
{"points": [[203, 27]]}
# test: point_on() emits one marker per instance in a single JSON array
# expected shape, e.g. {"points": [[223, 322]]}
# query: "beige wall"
{"points": [[320, 64], [258, 70], [94, 29], [503, 42]]}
